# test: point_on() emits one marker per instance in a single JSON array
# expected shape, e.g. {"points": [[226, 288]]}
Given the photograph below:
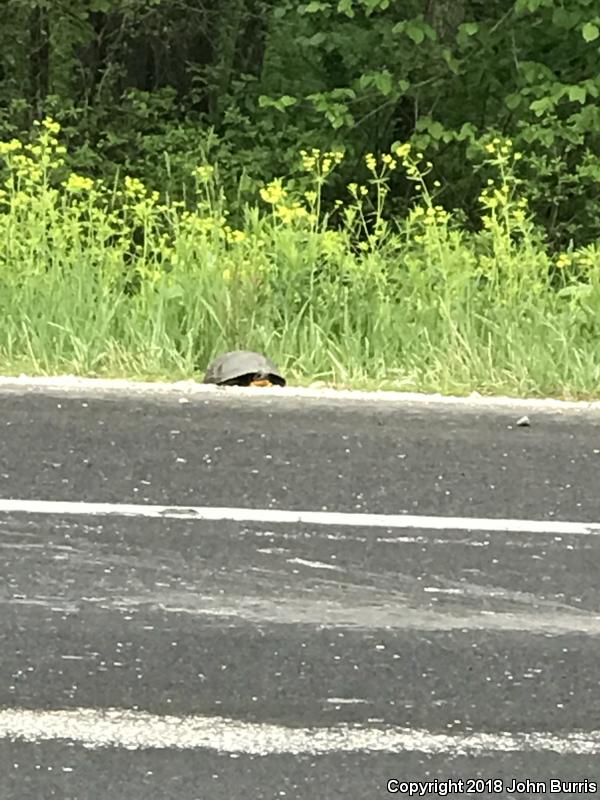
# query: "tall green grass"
{"points": [[119, 281]]}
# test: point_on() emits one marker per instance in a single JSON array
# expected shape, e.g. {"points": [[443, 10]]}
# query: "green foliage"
{"points": [[103, 278], [153, 87]]}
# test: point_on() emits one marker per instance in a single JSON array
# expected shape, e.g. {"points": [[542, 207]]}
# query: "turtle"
{"points": [[243, 368]]}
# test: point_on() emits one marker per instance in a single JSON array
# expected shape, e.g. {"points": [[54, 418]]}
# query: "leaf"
{"points": [[346, 7], [468, 28], [542, 105], [590, 32], [415, 32], [451, 61], [338, 116], [513, 101], [577, 94], [436, 129], [317, 39], [343, 93], [562, 18], [280, 104], [466, 132], [383, 81], [314, 7]]}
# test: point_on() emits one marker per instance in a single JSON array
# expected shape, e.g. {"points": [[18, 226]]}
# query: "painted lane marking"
{"points": [[275, 516], [136, 730], [314, 564]]}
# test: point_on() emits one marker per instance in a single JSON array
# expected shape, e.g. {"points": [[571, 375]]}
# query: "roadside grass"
{"points": [[116, 281]]}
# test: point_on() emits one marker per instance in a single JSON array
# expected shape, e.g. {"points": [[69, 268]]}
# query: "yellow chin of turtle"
{"points": [[261, 383]]}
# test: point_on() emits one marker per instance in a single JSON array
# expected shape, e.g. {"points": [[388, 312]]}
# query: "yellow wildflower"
{"points": [[371, 162], [308, 162], [403, 150], [288, 214], [51, 125], [78, 183], [133, 186], [10, 147], [273, 192], [204, 173]]}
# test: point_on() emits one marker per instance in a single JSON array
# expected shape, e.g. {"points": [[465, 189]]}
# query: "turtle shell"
{"points": [[243, 368]]}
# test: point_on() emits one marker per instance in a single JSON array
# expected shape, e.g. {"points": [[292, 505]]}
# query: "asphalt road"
{"points": [[446, 643]]}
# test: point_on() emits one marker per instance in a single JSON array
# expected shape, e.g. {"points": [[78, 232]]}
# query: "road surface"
{"points": [[178, 635]]}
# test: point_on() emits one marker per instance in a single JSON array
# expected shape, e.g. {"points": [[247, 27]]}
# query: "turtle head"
{"points": [[260, 379]]}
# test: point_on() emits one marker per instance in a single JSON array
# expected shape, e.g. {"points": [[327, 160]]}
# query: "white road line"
{"points": [[276, 516], [136, 730], [314, 564]]}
